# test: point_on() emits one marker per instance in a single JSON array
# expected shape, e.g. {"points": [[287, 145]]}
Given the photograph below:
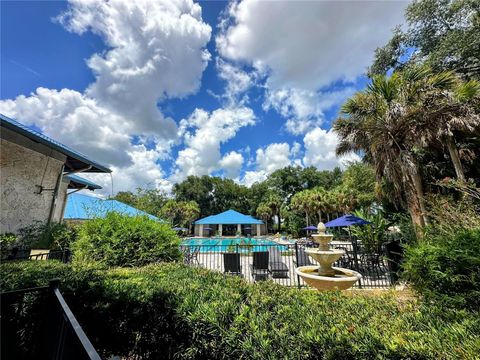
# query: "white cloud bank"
{"points": [[320, 150], [308, 44], [203, 133], [156, 50]]}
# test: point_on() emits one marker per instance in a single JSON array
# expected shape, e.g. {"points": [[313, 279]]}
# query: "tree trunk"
{"points": [[279, 221], [319, 216], [416, 214], [457, 164], [418, 186], [306, 218]]}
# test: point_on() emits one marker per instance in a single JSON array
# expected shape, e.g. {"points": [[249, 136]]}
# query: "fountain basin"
{"points": [[341, 280]]}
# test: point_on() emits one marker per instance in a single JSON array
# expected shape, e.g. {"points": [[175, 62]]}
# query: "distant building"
{"points": [[82, 207], [230, 223], [35, 173]]}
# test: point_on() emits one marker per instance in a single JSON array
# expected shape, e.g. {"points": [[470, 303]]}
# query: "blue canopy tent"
{"points": [[347, 221]]}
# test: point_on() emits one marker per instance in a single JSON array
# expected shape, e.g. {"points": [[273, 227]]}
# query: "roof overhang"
{"points": [[77, 182], [75, 161]]}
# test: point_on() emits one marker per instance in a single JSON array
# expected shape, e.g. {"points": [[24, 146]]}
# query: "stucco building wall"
{"points": [[22, 173]]}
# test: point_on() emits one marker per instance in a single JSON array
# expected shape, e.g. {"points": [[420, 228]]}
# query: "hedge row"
{"points": [[447, 268], [169, 310]]}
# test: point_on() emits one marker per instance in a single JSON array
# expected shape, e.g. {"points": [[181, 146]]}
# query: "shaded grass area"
{"points": [[170, 310]]}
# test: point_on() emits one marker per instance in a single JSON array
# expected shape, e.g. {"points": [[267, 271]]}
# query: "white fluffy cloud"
{"points": [[308, 44], [232, 163], [203, 133], [156, 50], [304, 109], [320, 150], [237, 81], [275, 156]]}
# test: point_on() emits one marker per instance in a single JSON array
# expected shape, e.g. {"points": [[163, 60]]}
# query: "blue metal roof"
{"points": [[84, 207], [229, 217], [77, 182], [75, 160]]}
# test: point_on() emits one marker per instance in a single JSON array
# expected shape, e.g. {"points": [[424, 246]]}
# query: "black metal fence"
{"points": [[64, 256], [278, 261], [37, 323]]}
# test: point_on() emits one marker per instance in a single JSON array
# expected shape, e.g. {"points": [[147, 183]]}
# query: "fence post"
{"points": [[296, 257], [355, 258]]}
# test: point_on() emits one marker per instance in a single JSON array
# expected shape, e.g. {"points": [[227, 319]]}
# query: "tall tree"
{"points": [[444, 34], [378, 122], [445, 112]]}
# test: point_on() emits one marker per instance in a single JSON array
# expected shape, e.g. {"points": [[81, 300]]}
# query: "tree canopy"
{"points": [[443, 34]]}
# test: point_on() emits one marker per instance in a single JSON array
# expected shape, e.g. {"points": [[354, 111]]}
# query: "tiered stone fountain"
{"points": [[326, 277]]}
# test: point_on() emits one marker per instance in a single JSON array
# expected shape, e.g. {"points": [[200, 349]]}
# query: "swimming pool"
{"points": [[223, 244]]}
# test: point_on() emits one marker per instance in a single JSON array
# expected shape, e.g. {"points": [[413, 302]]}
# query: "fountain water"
{"points": [[326, 277]]}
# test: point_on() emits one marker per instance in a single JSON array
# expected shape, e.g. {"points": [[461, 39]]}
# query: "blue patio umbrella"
{"points": [[347, 220], [311, 227]]}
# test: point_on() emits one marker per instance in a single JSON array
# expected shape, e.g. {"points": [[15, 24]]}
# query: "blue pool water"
{"points": [[222, 244]]}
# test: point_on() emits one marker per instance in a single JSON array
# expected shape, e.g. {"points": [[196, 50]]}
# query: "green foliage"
{"points": [[212, 194], [7, 241], [359, 178], [173, 311], [120, 240], [149, 200], [180, 213], [54, 236], [443, 33], [447, 267], [374, 235]]}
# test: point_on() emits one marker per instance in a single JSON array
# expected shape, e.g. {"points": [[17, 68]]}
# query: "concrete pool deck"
{"points": [[214, 261]]}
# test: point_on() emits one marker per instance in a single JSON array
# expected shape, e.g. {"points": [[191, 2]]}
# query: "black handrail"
{"points": [[73, 324], [62, 338]]}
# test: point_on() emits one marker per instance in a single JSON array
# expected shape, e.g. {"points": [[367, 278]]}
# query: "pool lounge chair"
{"points": [[302, 258], [231, 264], [259, 267], [276, 266]]}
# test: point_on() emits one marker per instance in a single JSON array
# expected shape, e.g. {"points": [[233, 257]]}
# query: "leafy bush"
{"points": [[121, 240], [447, 267], [374, 235], [7, 241], [173, 311], [41, 235]]}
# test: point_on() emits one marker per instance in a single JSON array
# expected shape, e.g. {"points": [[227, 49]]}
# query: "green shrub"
{"points": [[447, 267], [7, 241], [121, 240], [172, 311], [41, 235], [374, 235]]}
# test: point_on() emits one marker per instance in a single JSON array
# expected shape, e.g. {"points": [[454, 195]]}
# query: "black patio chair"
{"points": [[259, 267], [345, 261], [231, 264], [302, 258], [277, 267]]}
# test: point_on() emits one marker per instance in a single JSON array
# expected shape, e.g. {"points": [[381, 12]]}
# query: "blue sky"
{"points": [[162, 90]]}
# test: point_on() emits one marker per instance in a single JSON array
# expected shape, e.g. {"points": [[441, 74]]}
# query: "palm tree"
{"points": [[452, 109], [379, 122], [189, 212], [274, 202], [264, 212], [303, 201]]}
